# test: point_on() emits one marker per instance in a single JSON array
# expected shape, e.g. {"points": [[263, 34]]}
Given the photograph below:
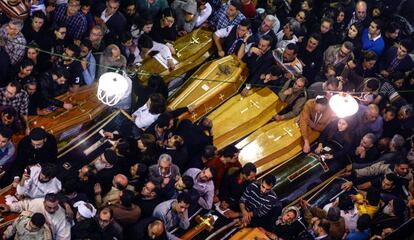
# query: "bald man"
{"points": [[149, 228], [119, 183], [360, 15], [368, 119]]}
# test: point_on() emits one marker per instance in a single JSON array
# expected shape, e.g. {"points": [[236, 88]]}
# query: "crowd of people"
{"points": [[161, 173]]}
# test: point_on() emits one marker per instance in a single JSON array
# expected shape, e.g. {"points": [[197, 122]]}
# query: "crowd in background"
{"points": [[158, 175]]}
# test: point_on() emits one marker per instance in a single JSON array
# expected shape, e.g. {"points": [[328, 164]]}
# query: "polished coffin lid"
{"points": [[209, 86], [240, 116], [249, 234], [272, 144], [191, 50], [86, 107]]}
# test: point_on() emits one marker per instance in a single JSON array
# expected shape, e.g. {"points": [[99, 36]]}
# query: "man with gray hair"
{"points": [[14, 41], [265, 29], [164, 172], [359, 15]]}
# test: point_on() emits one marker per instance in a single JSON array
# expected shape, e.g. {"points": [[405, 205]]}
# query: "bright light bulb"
{"points": [[112, 88], [343, 105]]}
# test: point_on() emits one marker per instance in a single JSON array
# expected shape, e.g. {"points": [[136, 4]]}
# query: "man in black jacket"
{"points": [[114, 20], [53, 84], [38, 147], [149, 228]]}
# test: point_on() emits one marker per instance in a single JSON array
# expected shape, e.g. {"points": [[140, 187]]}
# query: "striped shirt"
{"points": [[258, 203]]}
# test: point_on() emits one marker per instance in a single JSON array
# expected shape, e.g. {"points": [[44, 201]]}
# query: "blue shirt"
{"points": [[376, 45], [356, 235]]}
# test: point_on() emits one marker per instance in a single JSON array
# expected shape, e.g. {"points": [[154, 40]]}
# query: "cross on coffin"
{"points": [[288, 131], [253, 104], [221, 96], [203, 224]]}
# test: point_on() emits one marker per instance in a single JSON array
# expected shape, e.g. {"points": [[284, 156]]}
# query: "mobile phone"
{"points": [[51, 108], [27, 170], [327, 149]]}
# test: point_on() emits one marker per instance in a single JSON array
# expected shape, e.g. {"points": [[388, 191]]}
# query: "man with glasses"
{"points": [[69, 15], [110, 229], [96, 37], [258, 201], [48, 206], [397, 59], [265, 29], [14, 40], [165, 172], [338, 56], [14, 96], [359, 15]]}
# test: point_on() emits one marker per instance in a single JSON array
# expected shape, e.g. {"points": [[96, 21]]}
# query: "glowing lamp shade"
{"points": [[344, 105], [112, 88]]}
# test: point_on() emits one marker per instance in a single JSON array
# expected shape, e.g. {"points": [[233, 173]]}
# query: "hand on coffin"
{"points": [[278, 117], [304, 204], [221, 53], [108, 135], [171, 47], [43, 111], [306, 147], [170, 64], [67, 106], [347, 186], [247, 217], [191, 108], [245, 92], [4, 208], [328, 156], [319, 149], [182, 33]]}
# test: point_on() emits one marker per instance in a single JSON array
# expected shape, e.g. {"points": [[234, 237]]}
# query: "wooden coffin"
{"points": [[249, 234], [191, 50], [303, 173], [272, 144], [90, 144], [226, 74], [330, 192], [63, 123], [7, 218], [240, 116]]}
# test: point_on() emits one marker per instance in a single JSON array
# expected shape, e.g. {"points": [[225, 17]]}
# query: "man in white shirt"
{"points": [[149, 48], [147, 114], [37, 181]]}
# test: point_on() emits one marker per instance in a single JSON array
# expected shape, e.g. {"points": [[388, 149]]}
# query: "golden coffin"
{"points": [[191, 51], [272, 144], [226, 74], [249, 234], [62, 123], [240, 116]]}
